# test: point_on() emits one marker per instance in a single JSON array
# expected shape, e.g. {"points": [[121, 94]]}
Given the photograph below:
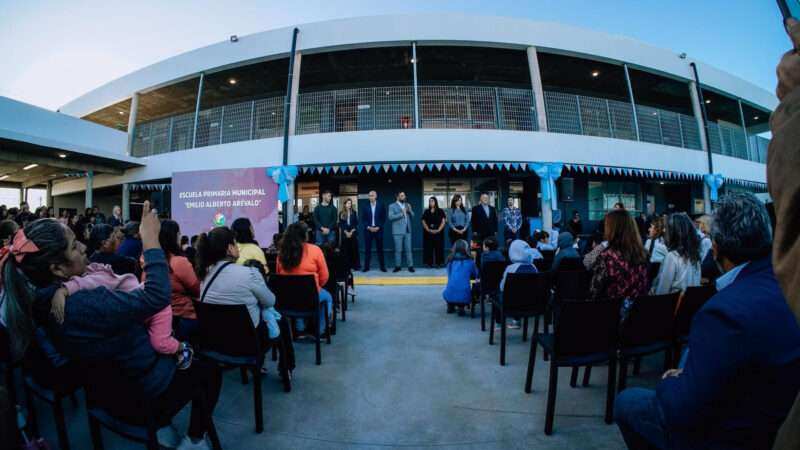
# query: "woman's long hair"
{"points": [[623, 236], [100, 233], [435, 203], [168, 238], [20, 279], [243, 231], [343, 214], [290, 250], [460, 250], [453, 203], [212, 247], [682, 238]]}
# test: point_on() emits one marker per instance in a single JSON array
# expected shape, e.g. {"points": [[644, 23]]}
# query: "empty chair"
{"points": [[296, 296], [647, 328], [491, 275], [525, 295], [584, 334]]}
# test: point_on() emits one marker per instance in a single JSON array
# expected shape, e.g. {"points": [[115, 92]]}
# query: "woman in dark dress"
{"points": [[433, 220], [348, 226]]}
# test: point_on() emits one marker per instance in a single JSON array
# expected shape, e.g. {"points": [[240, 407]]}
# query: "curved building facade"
{"points": [[437, 105]]}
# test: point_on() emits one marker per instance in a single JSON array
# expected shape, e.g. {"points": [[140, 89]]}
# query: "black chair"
{"points": [[241, 346], [584, 333], [296, 296], [525, 295], [568, 264], [647, 328], [120, 408], [692, 299], [10, 367], [571, 284], [272, 262], [543, 264], [51, 383], [491, 274], [342, 278]]}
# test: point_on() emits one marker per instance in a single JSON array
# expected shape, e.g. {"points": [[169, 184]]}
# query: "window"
{"points": [[444, 189], [9, 197], [603, 195], [36, 198]]}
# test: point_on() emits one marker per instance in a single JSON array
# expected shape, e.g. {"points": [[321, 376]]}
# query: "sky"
{"points": [[54, 51]]}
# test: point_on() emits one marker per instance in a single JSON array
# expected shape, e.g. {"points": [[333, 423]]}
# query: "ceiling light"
{"points": [[755, 118], [122, 113], [660, 182], [30, 166], [595, 73], [708, 101], [3, 177], [62, 155], [231, 80], [413, 61]]}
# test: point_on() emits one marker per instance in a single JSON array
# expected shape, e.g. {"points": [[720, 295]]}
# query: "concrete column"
{"points": [[416, 84], [49, 195], [126, 202], [697, 109], [547, 216], [22, 192], [88, 203], [536, 85], [293, 97], [132, 122], [632, 100], [197, 108]]}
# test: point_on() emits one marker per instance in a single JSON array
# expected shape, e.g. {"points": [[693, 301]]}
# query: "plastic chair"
{"points": [[296, 296], [647, 329], [241, 346], [525, 295], [585, 333], [491, 275]]}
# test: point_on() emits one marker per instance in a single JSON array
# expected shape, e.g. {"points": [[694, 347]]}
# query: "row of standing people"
{"points": [[457, 222]]}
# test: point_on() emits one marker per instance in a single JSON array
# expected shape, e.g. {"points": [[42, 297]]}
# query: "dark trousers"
{"points": [[378, 238], [433, 249], [202, 379], [350, 251], [455, 236]]}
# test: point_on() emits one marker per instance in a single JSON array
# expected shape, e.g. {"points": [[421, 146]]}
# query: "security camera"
{"points": [[682, 56], [234, 38]]}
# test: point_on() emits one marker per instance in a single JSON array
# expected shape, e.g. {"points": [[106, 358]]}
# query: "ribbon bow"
{"points": [[714, 181], [548, 174], [283, 176], [19, 247]]}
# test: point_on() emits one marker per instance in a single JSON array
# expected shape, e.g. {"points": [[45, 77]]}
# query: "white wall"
{"points": [[27, 123], [424, 28], [429, 146]]}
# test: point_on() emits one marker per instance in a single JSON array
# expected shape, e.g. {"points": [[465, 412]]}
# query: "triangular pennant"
{"points": [[351, 169], [474, 165], [394, 166], [404, 167], [386, 168], [507, 166], [457, 166], [439, 166], [421, 166]]}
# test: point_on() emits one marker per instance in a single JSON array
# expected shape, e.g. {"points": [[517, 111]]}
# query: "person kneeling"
{"points": [[460, 270]]}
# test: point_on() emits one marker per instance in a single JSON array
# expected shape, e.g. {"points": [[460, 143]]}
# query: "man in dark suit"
{"points": [[484, 219], [373, 216]]}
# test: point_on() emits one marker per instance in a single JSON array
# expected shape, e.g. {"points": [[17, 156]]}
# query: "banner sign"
{"points": [[202, 200]]}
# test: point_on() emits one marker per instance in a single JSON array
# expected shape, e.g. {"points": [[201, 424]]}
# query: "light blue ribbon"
{"points": [[714, 181], [548, 174], [283, 176]]}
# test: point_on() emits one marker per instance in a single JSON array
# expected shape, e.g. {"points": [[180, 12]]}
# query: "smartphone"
{"points": [[789, 8]]}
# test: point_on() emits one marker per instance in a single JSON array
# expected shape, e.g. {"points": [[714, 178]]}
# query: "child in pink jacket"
{"points": [[159, 326]]}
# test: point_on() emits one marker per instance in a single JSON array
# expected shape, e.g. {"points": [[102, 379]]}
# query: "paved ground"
{"points": [[402, 374]]}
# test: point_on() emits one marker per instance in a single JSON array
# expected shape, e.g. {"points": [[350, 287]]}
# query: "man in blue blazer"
{"points": [[742, 372], [373, 217]]}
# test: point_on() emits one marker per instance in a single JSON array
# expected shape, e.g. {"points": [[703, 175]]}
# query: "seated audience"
{"points": [[103, 244], [7, 230], [297, 257], [742, 372], [131, 245], [246, 242], [104, 326], [191, 251], [490, 251], [620, 270], [184, 283], [681, 267], [227, 283], [521, 255], [566, 249], [460, 270], [655, 247], [542, 239]]}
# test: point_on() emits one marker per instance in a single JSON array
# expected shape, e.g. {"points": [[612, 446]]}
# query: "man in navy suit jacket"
{"points": [[373, 216], [742, 373]]}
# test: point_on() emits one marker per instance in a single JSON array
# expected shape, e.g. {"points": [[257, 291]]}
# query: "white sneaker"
{"points": [[187, 444], [168, 437]]}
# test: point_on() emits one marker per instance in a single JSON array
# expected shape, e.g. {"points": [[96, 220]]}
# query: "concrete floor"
{"points": [[402, 374]]}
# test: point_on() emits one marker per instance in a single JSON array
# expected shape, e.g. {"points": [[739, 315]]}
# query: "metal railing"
{"points": [[592, 116], [453, 107], [254, 119]]}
